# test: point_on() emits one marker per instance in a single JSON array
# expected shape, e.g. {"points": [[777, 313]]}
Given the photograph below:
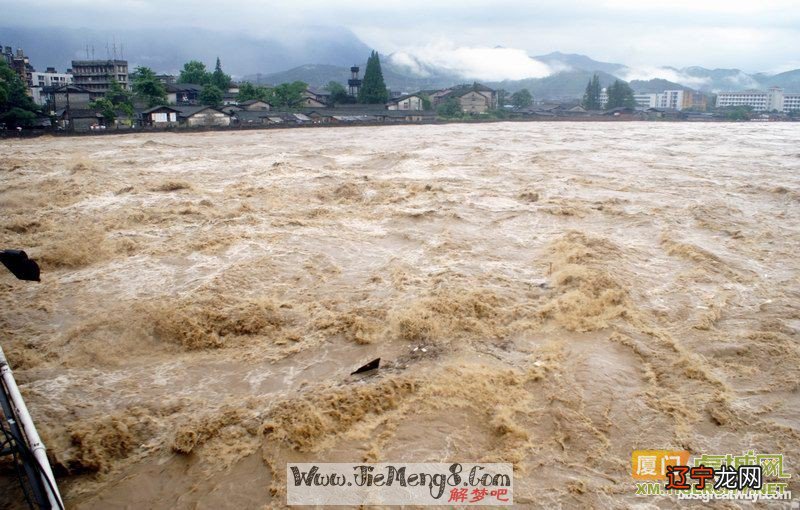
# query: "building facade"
{"points": [[184, 94], [791, 103], [20, 63], [672, 99], [202, 116], [645, 100], [68, 96], [410, 102], [669, 99], [97, 75], [773, 99], [43, 82], [475, 98]]}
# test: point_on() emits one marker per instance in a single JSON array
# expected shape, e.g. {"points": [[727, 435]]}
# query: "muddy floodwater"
{"points": [[553, 295]]}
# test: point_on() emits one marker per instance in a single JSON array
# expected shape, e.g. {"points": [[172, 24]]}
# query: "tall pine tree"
{"points": [[620, 94], [591, 99], [373, 88], [219, 79]]}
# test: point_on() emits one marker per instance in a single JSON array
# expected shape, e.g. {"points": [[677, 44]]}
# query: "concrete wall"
{"points": [[76, 100]]}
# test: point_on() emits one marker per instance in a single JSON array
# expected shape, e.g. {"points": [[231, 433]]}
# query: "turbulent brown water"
{"points": [[550, 294]]}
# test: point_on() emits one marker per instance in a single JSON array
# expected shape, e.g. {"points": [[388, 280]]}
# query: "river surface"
{"points": [[554, 295]]}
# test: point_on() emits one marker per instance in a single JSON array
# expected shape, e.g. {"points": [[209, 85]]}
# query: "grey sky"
{"points": [[754, 35]]}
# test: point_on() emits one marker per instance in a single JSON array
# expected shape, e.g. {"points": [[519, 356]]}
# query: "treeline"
{"points": [[372, 91], [285, 95], [620, 94]]}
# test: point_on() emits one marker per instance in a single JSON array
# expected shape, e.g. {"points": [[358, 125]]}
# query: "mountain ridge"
{"points": [[278, 58]]}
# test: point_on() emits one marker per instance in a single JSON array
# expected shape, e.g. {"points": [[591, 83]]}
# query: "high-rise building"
{"points": [[97, 75], [19, 62]]}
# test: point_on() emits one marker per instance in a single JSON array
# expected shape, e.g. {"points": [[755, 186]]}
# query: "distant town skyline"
{"points": [[753, 36]]}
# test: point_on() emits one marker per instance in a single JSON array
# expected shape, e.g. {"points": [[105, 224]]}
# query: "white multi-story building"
{"points": [[756, 99], [646, 100], [791, 103], [671, 99], [47, 79], [773, 99]]}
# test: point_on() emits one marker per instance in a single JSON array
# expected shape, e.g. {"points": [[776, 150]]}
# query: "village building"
{"points": [[361, 113], [249, 118], [410, 116], [625, 113], [255, 105], [230, 98], [475, 98], [160, 116], [663, 113], [202, 116], [313, 98], [231, 108], [436, 95], [68, 96], [407, 102], [167, 79], [78, 119], [184, 94]]}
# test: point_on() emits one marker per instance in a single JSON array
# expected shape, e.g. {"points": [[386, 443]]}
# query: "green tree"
{"points": [[426, 102], [620, 94], [451, 108], [373, 88], [219, 78], [743, 112], [105, 107], [211, 95], [16, 107], [522, 98], [339, 94], [591, 98], [248, 91], [194, 71], [148, 88], [17, 117], [118, 95], [120, 98], [288, 95]]}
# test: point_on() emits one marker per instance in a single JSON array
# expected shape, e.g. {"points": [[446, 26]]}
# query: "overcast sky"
{"points": [[754, 35]]}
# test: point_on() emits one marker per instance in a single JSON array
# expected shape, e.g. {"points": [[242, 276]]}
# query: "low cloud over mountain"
{"points": [[319, 54], [480, 63]]}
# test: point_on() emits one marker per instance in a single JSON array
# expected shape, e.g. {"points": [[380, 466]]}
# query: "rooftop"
{"points": [[99, 62]]}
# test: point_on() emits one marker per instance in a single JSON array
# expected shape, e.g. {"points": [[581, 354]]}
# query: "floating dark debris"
{"points": [[372, 365]]}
